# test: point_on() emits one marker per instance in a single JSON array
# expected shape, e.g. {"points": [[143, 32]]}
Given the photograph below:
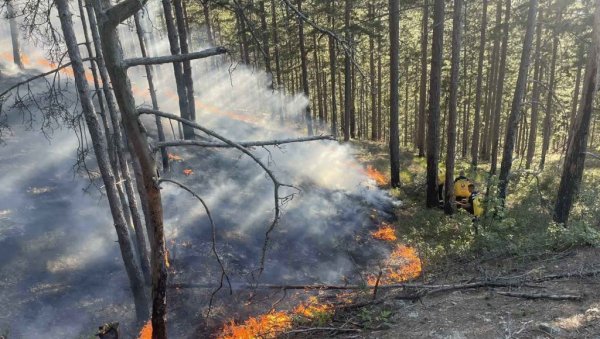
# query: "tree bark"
{"points": [[500, 90], [307, 114], [347, 73], [423, 81], [575, 158], [141, 152], [478, 90], [188, 80], [537, 77], [394, 146], [372, 75], [332, 70], [515, 111], [433, 128], [449, 200], [14, 34], [547, 131], [99, 146]]}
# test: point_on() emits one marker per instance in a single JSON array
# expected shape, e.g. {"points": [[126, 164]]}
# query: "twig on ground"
{"points": [[541, 296]]}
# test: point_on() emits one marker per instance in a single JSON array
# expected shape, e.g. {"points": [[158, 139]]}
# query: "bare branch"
{"points": [[278, 142], [542, 296], [276, 183], [174, 58], [123, 10], [214, 240], [593, 155]]}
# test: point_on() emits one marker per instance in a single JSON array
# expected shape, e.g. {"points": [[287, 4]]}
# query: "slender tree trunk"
{"points": [[478, 90], [14, 34], [276, 46], [500, 89], [537, 77], [265, 39], [347, 73], [318, 71], [187, 65], [394, 9], [574, 104], [515, 111], [332, 70], [182, 93], [379, 91], [406, 100], [449, 200], [423, 81], [303, 61], [151, 89], [372, 75], [433, 128], [206, 12], [99, 146], [547, 131], [572, 173]]}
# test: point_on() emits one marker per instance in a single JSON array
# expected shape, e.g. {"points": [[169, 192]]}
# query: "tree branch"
{"points": [[174, 58], [123, 10], [542, 296], [278, 142], [276, 183]]}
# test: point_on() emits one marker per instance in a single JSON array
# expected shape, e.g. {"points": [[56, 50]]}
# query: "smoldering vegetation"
{"points": [[62, 274]]}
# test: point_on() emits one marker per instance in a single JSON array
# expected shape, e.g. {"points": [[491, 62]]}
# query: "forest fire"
{"points": [[146, 331], [385, 232], [263, 326], [174, 157], [312, 309], [374, 174], [188, 172], [402, 265]]}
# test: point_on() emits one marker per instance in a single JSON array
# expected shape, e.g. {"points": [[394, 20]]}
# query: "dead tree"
{"points": [[99, 144]]}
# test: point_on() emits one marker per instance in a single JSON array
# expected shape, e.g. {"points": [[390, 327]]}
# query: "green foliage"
{"points": [[373, 316]]}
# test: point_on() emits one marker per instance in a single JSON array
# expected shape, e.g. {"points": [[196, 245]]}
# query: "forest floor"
{"points": [[452, 254]]}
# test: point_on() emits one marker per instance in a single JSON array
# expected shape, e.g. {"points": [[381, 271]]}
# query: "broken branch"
{"points": [[242, 143], [174, 58]]}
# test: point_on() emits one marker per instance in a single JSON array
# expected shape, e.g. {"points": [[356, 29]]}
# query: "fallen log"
{"points": [[542, 296]]}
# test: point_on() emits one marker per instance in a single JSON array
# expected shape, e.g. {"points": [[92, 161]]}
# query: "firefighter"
{"points": [[441, 179], [461, 187], [473, 204]]}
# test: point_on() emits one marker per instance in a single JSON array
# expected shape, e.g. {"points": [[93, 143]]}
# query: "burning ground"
{"points": [[61, 271]]}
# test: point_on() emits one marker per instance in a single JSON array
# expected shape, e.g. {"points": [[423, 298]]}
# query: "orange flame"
{"points": [[312, 308], [374, 174], [402, 265], [188, 172], [174, 157], [264, 326], [385, 232], [146, 331]]}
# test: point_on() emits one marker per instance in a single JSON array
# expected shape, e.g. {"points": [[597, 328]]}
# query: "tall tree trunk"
{"points": [[99, 146], [151, 89], [141, 152], [265, 39], [379, 90], [575, 158], [489, 112], [276, 46], [206, 12], [187, 65], [180, 82], [433, 128], [478, 90], [500, 89], [307, 114], [406, 100], [515, 111], [372, 75], [547, 131], [449, 200], [423, 81], [347, 73], [574, 104], [332, 70], [394, 9], [318, 70], [14, 34], [537, 78]]}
